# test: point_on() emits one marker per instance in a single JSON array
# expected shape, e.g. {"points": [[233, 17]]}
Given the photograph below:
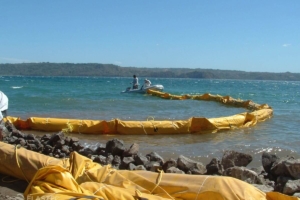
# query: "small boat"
{"points": [[144, 89]]}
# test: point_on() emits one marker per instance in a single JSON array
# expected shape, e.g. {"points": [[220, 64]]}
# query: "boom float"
{"points": [[194, 125]]}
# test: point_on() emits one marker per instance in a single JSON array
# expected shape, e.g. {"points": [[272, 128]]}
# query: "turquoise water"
{"points": [[101, 99]]}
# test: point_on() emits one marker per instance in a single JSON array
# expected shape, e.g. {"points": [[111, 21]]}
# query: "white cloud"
{"points": [[286, 45]]}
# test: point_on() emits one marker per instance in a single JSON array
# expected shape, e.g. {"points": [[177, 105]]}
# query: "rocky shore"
{"points": [[275, 174]]}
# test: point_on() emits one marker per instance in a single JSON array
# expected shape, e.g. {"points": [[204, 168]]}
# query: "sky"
{"points": [[245, 35]]}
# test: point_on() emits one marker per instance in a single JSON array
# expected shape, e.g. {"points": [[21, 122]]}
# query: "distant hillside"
{"points": [[110, 70]]}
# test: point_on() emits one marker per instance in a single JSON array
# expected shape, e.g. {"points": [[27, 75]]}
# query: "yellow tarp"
{"points": [[80, 177]]}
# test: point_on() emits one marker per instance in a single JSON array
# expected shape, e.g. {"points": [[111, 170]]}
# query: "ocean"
{"points": [[100, 98]]}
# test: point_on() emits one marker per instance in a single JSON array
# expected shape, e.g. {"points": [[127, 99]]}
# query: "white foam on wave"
{"points": [[16, 87]]}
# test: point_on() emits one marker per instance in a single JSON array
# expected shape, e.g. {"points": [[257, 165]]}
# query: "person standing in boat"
{"points": [[135, 82], [147, 83]]}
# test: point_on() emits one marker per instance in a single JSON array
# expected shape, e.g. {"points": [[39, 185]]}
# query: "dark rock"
{"points": [[30, 137], [65, 149], [21, 141], [280, 183], [214, 167], [133, 150], [293, 168], [267, 160], [233, 158], [55, 137], [140, 159], [153, 166], [17, 134], [77, 146], [279, 167], [243, 174], [100, 149], [115, 147], [169, 163], [125, 162], [101, 160], [190, 166], [48, 149], [153, 156]]}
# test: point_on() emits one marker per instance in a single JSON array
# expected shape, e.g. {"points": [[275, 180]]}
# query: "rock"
{"points": [[244, 174], [153, 166], [293, 167], [267, 160], [186, 164], [125, 162], [140, 167], [174, 170], [169, 163], [153, 156], [279, 167], [233, 158], [214, 167], [131, 166], [140, 159], [115, 147], [133, 150], [116, 162], [101, 160], [291, 187], [280, 183]]}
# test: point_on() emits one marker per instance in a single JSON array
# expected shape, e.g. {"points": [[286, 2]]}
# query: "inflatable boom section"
{"points": [[194, 125]]}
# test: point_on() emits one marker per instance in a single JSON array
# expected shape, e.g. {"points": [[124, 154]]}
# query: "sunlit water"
{"points": [[101, 99]]}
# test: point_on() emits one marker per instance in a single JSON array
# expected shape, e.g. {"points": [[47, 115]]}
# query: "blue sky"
{"points": [[247, 35]]}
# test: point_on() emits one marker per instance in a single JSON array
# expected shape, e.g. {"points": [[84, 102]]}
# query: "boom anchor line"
{"points": [[194, 125]]}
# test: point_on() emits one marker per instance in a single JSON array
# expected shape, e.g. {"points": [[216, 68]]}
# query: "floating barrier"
{"points": [[78, 177], [194, 125]]}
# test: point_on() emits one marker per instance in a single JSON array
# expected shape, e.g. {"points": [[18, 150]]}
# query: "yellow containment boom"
{"points": [[194, 125], [78, 177]]}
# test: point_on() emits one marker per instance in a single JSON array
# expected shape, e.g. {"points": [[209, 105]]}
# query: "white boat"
{"points": [[144, 89]]}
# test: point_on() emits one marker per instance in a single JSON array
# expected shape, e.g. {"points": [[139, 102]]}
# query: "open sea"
{"points": [[101, 99]]}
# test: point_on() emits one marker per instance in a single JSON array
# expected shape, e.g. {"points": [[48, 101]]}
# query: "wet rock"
{"points": [[233, 158], [115, 147], [268, 160], [190, 166], [244, 174], [133, 150], [214, 167]]}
